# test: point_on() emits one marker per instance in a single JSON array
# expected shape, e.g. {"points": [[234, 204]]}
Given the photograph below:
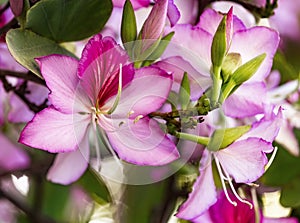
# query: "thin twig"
{"points": [[26, 76], [21, 92]]}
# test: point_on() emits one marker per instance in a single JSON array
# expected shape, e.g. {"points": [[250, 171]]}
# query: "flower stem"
{"points": [[198, 139]]}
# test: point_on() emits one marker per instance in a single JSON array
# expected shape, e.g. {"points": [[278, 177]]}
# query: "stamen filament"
{"points": [[223, 183], [98, 156], [235, 193], [271, 158], [256, 206]]}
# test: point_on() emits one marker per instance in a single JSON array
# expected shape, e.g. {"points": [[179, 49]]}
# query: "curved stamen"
{"points": [[271, 158], [223, 183], [235, 193]]}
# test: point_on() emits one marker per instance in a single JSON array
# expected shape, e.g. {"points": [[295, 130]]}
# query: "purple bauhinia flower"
{"points": [[102, 92], [243, 161], [224, 212], [11, 156]]}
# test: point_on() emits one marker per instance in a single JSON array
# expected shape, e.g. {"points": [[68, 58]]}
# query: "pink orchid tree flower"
{"points": [[17, 111], [223, 212], [243, 161], [102, 92], [287, 96], [12, 157], [262, 40]]}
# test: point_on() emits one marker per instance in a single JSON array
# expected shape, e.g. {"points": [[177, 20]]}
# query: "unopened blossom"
{"points": [[185, 46], [243, 161], [100, 92]]}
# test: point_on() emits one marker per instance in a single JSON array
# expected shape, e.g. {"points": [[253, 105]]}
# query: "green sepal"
{"points": [[128, 25], [222, 138], [142, 49], [160, 49], [184, 92], [219, 45], [241, 75], [247, 70]]}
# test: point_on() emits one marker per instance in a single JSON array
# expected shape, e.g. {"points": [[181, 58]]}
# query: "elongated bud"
{"points": [[184, 93], [128, 26], [222, 39], [219, 44], [155, 23]]}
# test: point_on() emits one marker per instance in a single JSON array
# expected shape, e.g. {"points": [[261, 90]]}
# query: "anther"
{"points": [[137, 118]]}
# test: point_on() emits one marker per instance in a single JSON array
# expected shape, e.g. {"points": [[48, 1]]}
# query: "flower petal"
{"points": [[286, 132], [244, 160], [267, 128], [173, 13], [136, 4], [60, 74], [280, 220], [63, 170], [240, 105], [204, 192], [263, 40], [19, 111], [11, 156], [177, 66], [183, 44], [142, 142], [210, 20], [146, 93], [54, 131], [99, 68]]}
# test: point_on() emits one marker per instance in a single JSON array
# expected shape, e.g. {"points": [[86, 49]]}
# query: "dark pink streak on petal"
{"points": [[99, 68]]}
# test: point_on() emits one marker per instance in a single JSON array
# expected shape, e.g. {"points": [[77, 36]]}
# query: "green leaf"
{"points": [[55, 198], [281, 64], [147, 203], [128, 26], [283, 170], [2, 2], [184, 92], [222, 138], [68, 20], [25, 45], [247, 70], [94, 185], [164, 42], [290, 194], [219, 45]]}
